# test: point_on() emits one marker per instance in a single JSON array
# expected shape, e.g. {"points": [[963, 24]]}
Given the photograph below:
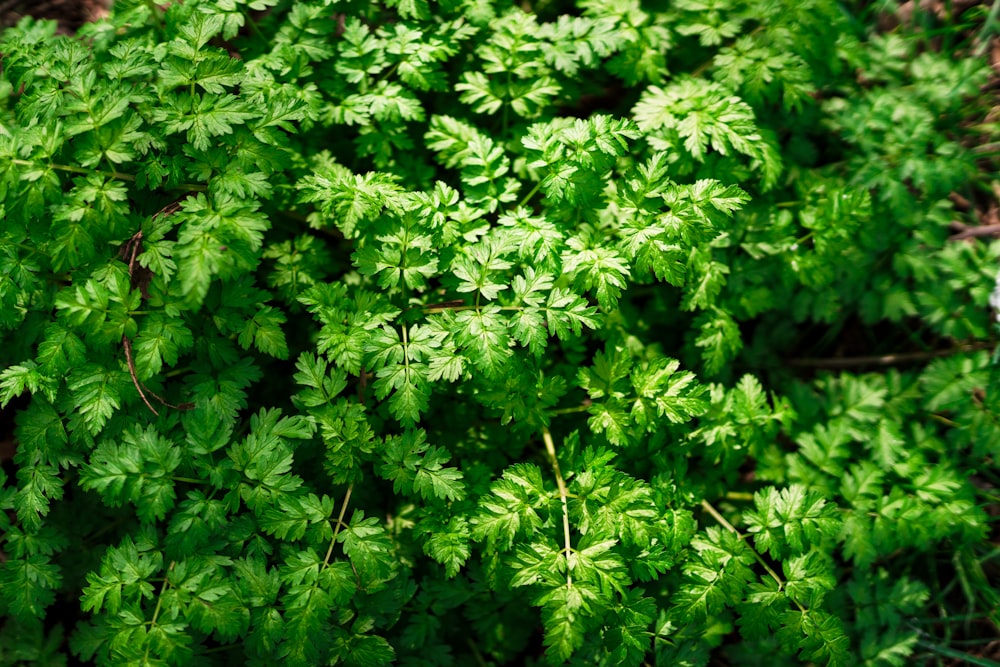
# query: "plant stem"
{"points": [[975, 231], [254, 28], [887, 359], [957, 655], [159, 603], [550, 447], [155, 12], [121, 176], [188, 480], [990, 26], [340, 522], [475, 652], [527, 197], [705, 505], [569, 411]]}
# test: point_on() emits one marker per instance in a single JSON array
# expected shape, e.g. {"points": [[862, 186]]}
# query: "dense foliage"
{"points": [[460, 332]]}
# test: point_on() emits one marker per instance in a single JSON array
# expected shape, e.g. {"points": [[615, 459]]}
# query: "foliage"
{"points": [[454, 332]]}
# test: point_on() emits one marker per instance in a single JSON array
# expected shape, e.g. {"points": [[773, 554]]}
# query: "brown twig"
{"points": [[975, 231], [130, 360], [885, 359], [139, 277]]}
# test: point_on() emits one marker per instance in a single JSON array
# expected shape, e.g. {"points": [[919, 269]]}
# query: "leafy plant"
{"points": [[455, 332]]}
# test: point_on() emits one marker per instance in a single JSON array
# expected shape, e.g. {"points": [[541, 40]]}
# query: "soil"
{"points": [[70, 14]]}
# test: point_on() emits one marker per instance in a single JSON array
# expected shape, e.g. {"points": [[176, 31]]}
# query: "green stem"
{"points": [[340, 522], [705, 505], [527, 197], [957, 655], [77, 170], [155, 12], [550, 447], [387, 73], [943, 420], [989, 27], [159, 604], [254, 29], [440, 308], [121, 176], [475, 652], [188, 480], [25, 248], [569, 411], [698, 71]]}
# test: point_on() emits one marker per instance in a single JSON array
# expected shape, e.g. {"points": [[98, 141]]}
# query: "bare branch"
{"points": [[886, 359], [130, 360], [975, 231]]}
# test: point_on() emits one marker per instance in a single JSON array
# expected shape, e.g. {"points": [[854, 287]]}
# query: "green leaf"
{"points": [[450, 545], [123, 578], [15, 379], [369, 548], [137, 470], [293, 515], [28, 585], [263, 330], [598, 268], [790, 521], [511, 507], [96, 394], [413, 465], [160, 340]]}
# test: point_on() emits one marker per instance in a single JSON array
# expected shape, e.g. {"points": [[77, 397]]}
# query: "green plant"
{"points": [[343, 332]]}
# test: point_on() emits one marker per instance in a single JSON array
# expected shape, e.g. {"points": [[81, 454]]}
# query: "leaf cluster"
{"points": [[425, 332]]}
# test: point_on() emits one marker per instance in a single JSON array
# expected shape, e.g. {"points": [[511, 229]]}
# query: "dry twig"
{"points": [[885, 359]]}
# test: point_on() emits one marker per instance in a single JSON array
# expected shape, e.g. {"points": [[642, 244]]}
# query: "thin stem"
{"points": [[550, 447], [130, 362], [527, 197], [155, 11], [475, 652], [77, 170], [698, 71], [970, 232], [570, 411], [254, 29], [25, 248], [943, 420], [989, 27], [122, 176], [159, 604], [887, 359], [340, 522], [386, 73], [188, 480], [406, 352], [705, 505], [442, 307], [957, 655]]}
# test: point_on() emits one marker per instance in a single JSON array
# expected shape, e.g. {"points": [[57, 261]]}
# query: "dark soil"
{"points": [[70, 14]]}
